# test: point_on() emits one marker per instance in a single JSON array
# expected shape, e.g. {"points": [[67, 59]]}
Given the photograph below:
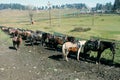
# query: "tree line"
{"points": [[23, 7], [12, 6], [107, 7], [116, 6]]}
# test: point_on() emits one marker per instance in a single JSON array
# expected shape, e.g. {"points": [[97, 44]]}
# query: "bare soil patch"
{"points": [[39, 63]]}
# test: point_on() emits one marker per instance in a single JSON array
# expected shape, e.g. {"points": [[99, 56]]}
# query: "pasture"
{"points": [[105, 26]]}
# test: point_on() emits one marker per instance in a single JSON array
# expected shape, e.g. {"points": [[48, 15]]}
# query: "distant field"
{"points": [[105, 26], [63, 21]]}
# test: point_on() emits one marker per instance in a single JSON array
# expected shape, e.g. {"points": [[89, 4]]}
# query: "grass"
{"points": [[4, 39], [63, 21], [105, 26]]}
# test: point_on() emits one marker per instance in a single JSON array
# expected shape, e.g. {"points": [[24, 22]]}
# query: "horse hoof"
{"points": [[67, 60], [86, 62], [97, 63]]}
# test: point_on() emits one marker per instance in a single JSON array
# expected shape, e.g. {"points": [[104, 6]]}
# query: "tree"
{"points": [[99, 6], [30, 10], [12, 6], [49, 8], [116, 7]]}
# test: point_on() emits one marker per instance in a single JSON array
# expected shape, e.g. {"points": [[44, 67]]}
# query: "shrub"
{"points": [[80, 29]]}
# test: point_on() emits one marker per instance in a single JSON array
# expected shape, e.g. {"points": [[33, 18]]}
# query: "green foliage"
{"points": [[4, 39], [80, 29], [116, 5], [12, 6]]}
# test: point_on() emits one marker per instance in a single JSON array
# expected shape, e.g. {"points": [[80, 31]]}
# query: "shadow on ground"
{"points": [[11, 47], [103, 61]]}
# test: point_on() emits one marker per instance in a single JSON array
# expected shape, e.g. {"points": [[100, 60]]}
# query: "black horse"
{"points": [[99, 46], [44, 38]]}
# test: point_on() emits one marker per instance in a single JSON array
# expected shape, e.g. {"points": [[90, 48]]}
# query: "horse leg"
{"points": [[66, 55], [78, 54], [98, 57], [65, 52], [113, 58], [14, 44], [85, 53], [18, 45], [42, 42], [56, 47], [31, 42]]}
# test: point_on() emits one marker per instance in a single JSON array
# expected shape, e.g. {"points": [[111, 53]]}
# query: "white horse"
{"points": [[74, 47]]}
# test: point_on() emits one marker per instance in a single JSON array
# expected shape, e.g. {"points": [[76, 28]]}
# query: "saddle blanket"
{"points": [[73, 49]]}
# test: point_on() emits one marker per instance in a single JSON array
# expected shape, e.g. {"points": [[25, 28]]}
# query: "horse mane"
{"points": [[71, 39]]}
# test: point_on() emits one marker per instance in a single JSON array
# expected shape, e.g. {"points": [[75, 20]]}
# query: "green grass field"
{"points": [[105, 26], [62, 21]]}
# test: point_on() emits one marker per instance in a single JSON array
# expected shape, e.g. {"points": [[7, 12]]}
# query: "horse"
{"points": [[60, 40], [50, 41], [68, 47], [26, 34], [35, 37], [17, 40], [29, 36], [44, 39], [99, 47], [56, 42]]}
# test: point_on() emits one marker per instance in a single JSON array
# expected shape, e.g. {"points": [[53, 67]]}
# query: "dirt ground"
{"points": [[39, 63]]}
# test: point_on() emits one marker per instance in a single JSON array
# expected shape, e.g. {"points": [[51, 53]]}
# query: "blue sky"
{"points": [[90, 3]]}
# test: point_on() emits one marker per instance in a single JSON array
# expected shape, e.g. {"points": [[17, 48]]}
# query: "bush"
{"points": [[80, 29]]}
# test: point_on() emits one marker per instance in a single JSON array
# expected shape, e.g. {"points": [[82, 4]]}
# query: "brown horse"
{"points": [[17, 40], [59, 40]]}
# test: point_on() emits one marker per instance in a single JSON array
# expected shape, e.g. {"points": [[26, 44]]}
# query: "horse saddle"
{"points": [[93, 44], [73, 49]]}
